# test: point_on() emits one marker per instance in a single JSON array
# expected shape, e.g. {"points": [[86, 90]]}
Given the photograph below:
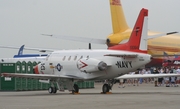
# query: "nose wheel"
{"points": [[52, 90], [105, 88]]}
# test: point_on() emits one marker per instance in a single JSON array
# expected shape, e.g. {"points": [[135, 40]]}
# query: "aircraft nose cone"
{"points": [[35, 70], [108, 41]]}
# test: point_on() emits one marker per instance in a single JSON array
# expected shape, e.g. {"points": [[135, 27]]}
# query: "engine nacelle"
{"points": [[90, 65]]}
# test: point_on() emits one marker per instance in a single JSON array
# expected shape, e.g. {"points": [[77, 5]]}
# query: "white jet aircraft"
{"points": [[65, 67]]}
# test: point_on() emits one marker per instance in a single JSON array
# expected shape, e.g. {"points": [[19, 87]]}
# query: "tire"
{"points": [[54, 90], [51, 90], [105, 88], [76, 88]]}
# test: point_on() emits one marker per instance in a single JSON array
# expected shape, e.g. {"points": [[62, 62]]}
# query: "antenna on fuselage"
{"points": [[89, 45]]}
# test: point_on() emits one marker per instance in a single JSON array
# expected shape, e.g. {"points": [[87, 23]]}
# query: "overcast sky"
{"points": [[23, 21]]}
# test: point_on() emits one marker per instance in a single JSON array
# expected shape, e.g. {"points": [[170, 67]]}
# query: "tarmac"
{"points": [[144, 96]]}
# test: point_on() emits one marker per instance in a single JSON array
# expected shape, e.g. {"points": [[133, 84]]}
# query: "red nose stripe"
{"points": [[36, 69]]}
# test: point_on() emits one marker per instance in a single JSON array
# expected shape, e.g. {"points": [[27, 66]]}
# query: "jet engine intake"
{"points": [[90, 65]]}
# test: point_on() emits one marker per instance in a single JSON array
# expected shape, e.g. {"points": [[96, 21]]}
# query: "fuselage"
{"points": [[71, 62]]}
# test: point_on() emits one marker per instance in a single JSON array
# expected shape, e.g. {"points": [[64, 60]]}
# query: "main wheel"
{"points": [[76, 88], [54, 90], [51, 90], [105, 88]]}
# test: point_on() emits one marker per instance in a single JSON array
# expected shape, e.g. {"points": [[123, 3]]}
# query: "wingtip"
{"points": [[47, 35], [172, 33]]}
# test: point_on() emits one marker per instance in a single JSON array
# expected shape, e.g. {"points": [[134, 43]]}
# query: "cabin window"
{"points": [[50, 63], [69, 58], [88, 56], [81, 57], [75, 57], [64, 58]]}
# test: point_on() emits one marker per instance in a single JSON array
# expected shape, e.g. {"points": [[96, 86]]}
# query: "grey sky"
{"points": [[22, 21]]}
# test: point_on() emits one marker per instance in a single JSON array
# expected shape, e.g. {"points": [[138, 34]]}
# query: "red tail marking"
{"points": [[134, 41]]}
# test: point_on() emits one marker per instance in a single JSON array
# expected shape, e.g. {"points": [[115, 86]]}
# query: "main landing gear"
{"points": [[105, 88], [108, 86], [52, 90], [75, 89]]}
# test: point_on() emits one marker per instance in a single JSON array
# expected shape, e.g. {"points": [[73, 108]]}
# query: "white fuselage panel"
{"points": [[65, 63]]}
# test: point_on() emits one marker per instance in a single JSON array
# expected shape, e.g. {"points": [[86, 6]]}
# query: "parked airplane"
{"points": [[21, 55], [67, 66], [173, 60]]}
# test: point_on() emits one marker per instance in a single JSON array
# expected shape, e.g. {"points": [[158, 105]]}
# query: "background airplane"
{"points": [[173, 60], [121, 34], [21, 55], [66, 66], [156, 46]]}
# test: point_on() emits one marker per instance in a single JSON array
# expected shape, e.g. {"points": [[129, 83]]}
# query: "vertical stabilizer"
{"points": [[138, 38], [20, 52], [119, 23]]}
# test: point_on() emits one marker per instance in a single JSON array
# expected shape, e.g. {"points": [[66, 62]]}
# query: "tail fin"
{"points": [[138, 38], [20, 52], [119, 23]]}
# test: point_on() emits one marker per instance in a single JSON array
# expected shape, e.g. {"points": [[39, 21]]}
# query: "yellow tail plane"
{"points": [[119, 23], [121, 30], [121, 34]]}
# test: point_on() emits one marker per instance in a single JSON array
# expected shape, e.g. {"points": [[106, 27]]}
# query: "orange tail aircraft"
{"points": [[121, 33]]}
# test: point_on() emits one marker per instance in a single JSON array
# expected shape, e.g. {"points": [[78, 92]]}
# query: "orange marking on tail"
{"points": [[116, 2]]}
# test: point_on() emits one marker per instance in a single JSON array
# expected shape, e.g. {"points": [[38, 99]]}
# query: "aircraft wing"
{"points": [[159, 35], [99, 41], [29, 48], [127, 76], [123, 55], [80, 39], [38, 76]]}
